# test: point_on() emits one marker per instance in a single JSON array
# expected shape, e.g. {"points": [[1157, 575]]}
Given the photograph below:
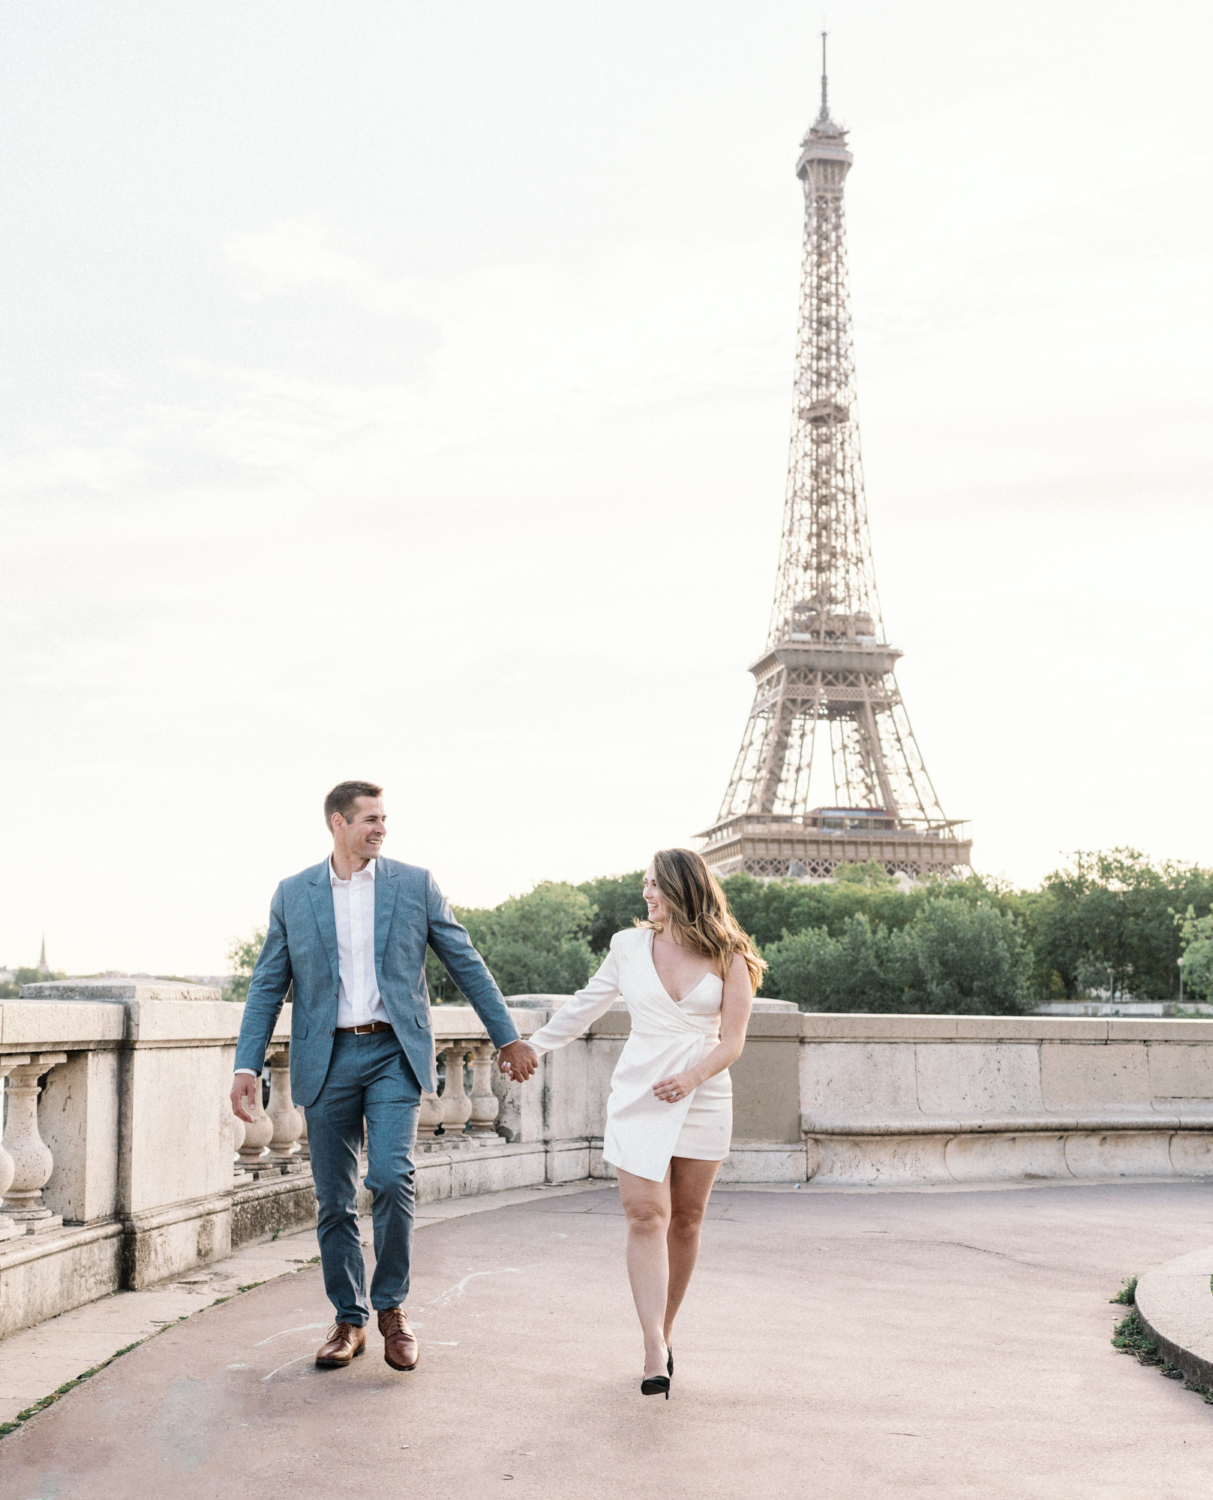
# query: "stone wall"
{"points": [[936, 1099], [127, 1166]]}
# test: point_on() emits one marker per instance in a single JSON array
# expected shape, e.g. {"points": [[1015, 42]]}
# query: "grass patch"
{"points": [[32, 1411], [1130, 1336]]}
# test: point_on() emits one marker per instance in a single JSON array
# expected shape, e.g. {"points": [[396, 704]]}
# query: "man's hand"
{"points": [[244, 1096], [518, 1061]]}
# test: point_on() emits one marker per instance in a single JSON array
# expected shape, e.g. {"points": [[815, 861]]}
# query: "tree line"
{"points": [[1113, 923]]}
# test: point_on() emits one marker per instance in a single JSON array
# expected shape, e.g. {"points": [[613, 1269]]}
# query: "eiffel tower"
{"points": [[825, 683]]}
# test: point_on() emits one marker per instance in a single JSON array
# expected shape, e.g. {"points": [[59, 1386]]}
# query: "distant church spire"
{"points": [[43, 966]]}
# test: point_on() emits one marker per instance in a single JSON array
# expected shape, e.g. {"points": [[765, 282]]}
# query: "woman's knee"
{"points": [[646, 1218], [685, 1223]]}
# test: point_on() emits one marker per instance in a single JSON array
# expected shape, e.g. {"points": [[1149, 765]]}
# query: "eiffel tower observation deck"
{"points": [[829, 771]]}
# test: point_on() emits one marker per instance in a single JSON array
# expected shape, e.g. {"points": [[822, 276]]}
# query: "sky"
{"points": [[402, 391]]}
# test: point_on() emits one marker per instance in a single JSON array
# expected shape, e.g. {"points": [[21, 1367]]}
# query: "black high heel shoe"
{"points": [[655, 1385]]}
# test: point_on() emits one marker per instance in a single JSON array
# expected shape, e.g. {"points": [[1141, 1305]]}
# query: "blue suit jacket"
{"points": [[301, 950]]}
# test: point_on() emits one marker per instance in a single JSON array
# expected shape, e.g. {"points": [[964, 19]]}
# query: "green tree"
{"points": [[616, 900], [869, 872], [1196, 937], [956, 957], [242, 954], [532, 944], [1106, 922], [11, 989], [959, 958], [822, 972], [767, 910]]}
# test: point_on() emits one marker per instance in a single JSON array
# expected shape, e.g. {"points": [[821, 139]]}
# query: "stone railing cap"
{"points": [[118, 991]]}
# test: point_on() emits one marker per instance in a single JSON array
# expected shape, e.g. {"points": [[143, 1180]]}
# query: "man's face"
{"points": [[362, 836]]}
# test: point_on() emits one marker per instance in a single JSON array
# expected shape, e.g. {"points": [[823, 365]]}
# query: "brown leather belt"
{"points": [[370, 1026]]}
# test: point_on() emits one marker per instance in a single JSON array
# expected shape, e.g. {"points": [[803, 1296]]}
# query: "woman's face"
{"points": [[654, 900]]}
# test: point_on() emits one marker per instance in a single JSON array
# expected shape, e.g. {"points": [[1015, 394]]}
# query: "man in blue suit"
{"points": [[349, 936]]}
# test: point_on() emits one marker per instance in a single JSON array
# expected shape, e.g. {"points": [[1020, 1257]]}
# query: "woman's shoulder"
{"points": [[629, 937]]}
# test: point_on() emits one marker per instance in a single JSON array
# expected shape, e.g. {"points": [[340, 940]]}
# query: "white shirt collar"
{"points": [[365, 874]]}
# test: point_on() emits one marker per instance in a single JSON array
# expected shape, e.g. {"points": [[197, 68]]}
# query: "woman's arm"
{"points": [[582, 1009], [735, 1009]]}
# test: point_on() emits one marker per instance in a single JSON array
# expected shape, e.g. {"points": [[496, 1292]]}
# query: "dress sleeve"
{"points": [[577, 1013]]}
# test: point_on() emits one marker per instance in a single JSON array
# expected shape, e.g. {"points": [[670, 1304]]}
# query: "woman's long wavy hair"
{"points": [[700, 915]]}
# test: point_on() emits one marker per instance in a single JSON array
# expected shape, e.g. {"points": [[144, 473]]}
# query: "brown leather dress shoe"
{"points": [[400, 1347], [344, 1342]]}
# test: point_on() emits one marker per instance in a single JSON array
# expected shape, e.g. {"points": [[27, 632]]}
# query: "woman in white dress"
{"points": [[688, 976]]}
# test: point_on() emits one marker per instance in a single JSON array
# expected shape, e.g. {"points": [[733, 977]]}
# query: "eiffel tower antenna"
{"points": [[827, 707]]}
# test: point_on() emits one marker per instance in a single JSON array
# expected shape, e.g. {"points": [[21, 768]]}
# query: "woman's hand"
{"points": [[517, 1060], [676, 1087]]}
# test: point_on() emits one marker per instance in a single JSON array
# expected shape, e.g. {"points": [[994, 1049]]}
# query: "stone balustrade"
{"points": [[983, 1098], [451, 1116], [121, 1163], [121, 1141]]}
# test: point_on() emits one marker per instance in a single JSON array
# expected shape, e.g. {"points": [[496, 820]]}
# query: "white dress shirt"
{"points": [[358, 1001]]}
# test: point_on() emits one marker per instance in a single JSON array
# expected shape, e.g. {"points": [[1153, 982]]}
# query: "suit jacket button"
{"points": [[332, 1033]]}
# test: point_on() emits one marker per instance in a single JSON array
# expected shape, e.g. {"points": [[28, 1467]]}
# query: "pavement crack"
{"points": [[303, 1328], [286, 1366], [984, 1250], [458, 1289]]}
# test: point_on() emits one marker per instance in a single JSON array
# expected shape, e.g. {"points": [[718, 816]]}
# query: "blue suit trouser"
{"points": [[368, 1078]]}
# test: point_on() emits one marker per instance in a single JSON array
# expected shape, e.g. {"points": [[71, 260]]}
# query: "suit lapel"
{"points": [[386, 887], [321, 890]]}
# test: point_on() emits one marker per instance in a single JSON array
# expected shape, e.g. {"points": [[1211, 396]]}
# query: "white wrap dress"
{"points": [[668, 1036]]}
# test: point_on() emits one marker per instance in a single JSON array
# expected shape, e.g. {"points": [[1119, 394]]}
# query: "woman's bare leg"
{"points": [[647, 1207], [690, 1187]]}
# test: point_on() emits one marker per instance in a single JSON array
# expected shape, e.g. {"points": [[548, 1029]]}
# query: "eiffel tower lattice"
{"points": [[825, 682]]}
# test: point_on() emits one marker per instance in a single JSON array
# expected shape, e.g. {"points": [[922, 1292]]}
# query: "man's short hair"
{"points": [[343, 796]]}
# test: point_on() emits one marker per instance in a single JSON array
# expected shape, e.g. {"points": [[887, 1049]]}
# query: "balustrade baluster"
{"points": [[236, 1125], [32, 1159], [485, 1103], [257, 1135], [429, 1117], [456, 1106], [9, 1228], [429, 1112], [284, 1117]]}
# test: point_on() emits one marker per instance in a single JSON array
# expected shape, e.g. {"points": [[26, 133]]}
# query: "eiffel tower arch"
{"points": [[827, 710]]}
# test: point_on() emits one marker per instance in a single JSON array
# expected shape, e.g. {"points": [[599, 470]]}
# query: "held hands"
{"points": [[244, 1096], [518, 1061], [676, 1087]]}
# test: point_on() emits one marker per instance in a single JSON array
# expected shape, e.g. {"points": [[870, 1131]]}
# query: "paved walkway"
{"points": [[843, 1346], [38, 1361]]}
